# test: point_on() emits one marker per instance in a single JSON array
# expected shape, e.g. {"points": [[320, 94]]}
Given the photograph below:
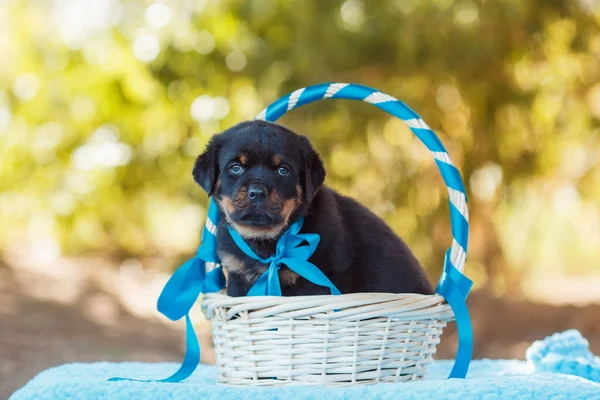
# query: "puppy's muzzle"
{"points": [[257, 192]]}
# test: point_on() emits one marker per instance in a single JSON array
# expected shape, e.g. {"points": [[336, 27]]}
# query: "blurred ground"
{"points": [[107, 313]]}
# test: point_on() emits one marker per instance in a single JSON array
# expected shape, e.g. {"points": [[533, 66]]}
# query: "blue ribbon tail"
{"points": [[175, 301], [190, 361], [214, 281], [267, 284], [192, 355], [455, 287], [311, 273], [273, 285]]}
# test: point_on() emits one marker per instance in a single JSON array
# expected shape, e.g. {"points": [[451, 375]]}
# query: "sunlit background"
{"points": [[104, 105]]}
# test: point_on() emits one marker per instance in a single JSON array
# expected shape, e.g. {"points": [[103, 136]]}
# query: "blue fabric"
{"points": [[487, 380], [565, 352], [291, 252], [455, 287]]}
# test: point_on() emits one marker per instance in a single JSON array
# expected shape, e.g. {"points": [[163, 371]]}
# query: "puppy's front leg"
{"points": [[237, 286]]}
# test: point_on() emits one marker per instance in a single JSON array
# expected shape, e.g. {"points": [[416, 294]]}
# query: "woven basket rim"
{"points": [[410, 306]]}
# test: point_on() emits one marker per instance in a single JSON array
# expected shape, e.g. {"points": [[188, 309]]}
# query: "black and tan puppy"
{"points": [[263, 177]]}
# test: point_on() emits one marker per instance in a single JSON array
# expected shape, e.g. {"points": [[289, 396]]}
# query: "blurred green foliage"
{"points": [[105, 104]]}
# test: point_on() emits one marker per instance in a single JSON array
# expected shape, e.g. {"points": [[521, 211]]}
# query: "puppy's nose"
{"points": [[257, 192]]}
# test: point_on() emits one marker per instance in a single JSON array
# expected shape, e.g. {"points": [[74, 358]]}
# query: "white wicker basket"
{"points": [[350, 339], [347, 339]]}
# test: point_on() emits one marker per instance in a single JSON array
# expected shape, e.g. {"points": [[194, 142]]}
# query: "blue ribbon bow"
{"points": [[293, 254]]}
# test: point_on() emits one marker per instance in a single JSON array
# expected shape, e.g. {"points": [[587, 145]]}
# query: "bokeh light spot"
{"points": [[236, 61], [204, 42], [26, 86], [353, 14], [158, 15], [146, 47]]}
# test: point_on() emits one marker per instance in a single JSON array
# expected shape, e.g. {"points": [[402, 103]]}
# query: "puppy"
{"points": [[263, 178]]}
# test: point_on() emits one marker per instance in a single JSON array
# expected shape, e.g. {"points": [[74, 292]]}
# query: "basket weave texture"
{"points": [[350, 339]]}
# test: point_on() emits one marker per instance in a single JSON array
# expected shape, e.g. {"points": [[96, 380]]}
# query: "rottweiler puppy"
{"points": [[263, 177]]}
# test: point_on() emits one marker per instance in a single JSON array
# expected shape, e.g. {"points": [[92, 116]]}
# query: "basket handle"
{"points": [[453, 285]]}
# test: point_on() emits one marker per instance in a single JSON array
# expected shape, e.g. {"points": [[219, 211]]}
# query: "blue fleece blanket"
{"points": [[487, 379]]}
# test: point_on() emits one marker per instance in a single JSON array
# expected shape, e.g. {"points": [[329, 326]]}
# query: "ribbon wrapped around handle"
{"points": [[455, 287]]}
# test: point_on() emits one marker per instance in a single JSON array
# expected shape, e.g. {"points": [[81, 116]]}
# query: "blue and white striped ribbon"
{"points": [[453, 285]]}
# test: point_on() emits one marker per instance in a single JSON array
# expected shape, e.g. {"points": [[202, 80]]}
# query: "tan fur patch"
{"points": [[288, 207], [241, 197], [229, 206], [276, 160], [230, 262], [226, 205], [234, 265], [299, 193], [248, 232], [267, 232], [243, 159], [273, 201], [287, 277], [241, 201]]}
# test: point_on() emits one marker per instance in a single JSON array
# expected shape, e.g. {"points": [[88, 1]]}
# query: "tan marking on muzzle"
{"points": [[226, 205], [240, 200], [241, 196], [273, 201], [251, 232], [247, 232]]}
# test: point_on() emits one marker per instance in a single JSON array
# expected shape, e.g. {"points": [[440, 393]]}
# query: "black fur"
{"points": [[358, 252]]}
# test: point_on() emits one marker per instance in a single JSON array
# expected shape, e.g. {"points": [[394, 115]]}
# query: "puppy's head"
{"points": [[260, 174]]}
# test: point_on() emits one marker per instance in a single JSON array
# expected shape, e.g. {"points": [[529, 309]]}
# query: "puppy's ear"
{"points": [[314, 174], [206, 169]]}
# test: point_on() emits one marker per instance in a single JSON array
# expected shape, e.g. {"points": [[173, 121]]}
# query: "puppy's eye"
{"points": [[236, 169], [283, 171]]}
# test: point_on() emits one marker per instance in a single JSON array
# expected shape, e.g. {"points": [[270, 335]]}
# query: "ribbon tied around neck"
{"points": [[293, 250]]}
